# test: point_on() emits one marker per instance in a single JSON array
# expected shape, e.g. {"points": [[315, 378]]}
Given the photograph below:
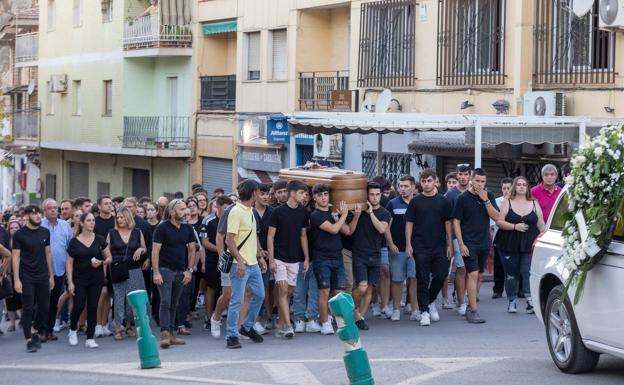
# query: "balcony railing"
{"points": [[156, 132], [25, 124], [27, 47], [149, 32], [316, 91], [218, 93]]}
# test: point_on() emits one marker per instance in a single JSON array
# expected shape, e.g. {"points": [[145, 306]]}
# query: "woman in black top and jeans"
{"points": [[520, 222], [85, 276]]}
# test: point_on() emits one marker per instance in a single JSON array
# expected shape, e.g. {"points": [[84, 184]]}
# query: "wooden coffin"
{"points": [[345, 185]]}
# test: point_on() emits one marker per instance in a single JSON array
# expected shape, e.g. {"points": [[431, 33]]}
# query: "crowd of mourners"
{"points": [[70, 265]]}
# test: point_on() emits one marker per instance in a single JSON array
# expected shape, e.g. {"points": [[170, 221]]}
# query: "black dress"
{"points": [[517, 241], [83, 272], [118, 247]]}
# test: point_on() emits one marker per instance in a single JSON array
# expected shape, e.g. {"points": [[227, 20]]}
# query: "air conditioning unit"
{"points": [[544, 103], [58, 83], [611, 14], [322, 146]]}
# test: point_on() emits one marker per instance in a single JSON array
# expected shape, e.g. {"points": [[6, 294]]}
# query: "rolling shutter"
{"points": [[253, 56], [140, 183], [216, 173], [78, 179], [279, 55]]}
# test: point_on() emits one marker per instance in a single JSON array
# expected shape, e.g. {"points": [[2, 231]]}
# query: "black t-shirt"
{"points": [[288, 223], [174, 243], [209, 230], [347, 240], [475, 222], [324, 245], [32, 243], [397, 208], [263, 225], [103, 226], [366, 238], [118, 247], [4, 238], [429, 216], [83, 272]]}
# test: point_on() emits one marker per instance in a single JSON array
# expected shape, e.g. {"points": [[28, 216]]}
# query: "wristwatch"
{"points": [[189, 270]]}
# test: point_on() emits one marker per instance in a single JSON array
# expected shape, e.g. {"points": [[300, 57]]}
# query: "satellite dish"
{"points": [[367, 104], [581, 7], [31, 86], [383, 101]]}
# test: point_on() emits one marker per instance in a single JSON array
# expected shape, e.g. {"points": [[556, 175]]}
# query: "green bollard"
{"points": [[146, 342], [355, 358]]}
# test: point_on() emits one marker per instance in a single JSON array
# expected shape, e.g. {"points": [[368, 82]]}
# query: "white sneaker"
{"points": [[513, 307], [424, 319], [312, 327], [396, 315], [91, 344], [388, 310], [259, 328], [73, 337], [448, 304], [98, 331], [64, 325], [416, 315], [300, 326], [376, 310], [407, 309], [461, 310], [327, 328], [433, 312], [200, 300], [106, 332], [215, 328], [57, 325]]}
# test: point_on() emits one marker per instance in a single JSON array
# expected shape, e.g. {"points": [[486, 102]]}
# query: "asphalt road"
{"points": [[508, 349]]}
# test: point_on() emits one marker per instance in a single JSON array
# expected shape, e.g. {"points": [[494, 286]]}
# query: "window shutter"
{"points": [[77, 11], [279, 55], [253, 55]]}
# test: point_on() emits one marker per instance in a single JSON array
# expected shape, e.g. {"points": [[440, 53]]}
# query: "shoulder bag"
{"points": [[226, 259], [119, 269]]}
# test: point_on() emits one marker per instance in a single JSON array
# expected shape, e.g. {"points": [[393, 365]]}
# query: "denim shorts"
{"points": [[365, 270], [402, 267], [458, 260], [385, 255], [329, 273]]}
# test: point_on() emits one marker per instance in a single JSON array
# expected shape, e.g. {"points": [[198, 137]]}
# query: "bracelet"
{"points": [[487, 202]]}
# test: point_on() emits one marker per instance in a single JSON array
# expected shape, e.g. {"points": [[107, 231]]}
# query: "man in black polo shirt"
{"points": [[173, 241], [33, 276]]}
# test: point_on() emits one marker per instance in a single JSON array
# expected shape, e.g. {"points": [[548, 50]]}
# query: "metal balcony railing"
{"points": [[26, 124], [156, 132], [315, 89], [218, 93], [27, 47], [149, 32]]}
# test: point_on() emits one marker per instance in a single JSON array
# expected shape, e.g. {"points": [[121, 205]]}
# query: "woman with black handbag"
{"points": [[87, 253], [126, 245]]}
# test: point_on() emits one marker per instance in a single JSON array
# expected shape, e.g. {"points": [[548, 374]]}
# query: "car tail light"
{"points": [[535, 243]]}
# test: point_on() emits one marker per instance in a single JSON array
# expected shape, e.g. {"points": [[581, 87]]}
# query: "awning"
{"points": [[215, 27], [445, 144], [529, 134]]}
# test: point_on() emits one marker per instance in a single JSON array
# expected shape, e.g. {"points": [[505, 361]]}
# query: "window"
{"points": [[77, 13], [387, 32], [253, 56], [51, 100], [218, 93], [471, 42], [51, 15], [107, 11], [108, 98], [569, 49], [77, 97], [557, 219], [279, 55]]}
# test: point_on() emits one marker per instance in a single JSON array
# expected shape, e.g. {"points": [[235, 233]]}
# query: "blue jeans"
{"points": [[306, 290], [516, 264], [252, 279]]}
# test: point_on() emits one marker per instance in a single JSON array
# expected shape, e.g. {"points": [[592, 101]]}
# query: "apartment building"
{"points": [[116, 112], [520, 60]]}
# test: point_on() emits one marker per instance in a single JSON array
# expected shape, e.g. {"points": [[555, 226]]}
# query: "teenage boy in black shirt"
{"points": [[280, 192], [287, 244], [471, 225], [368, 230], [326, 250], [105, 221], [33, 276], [429, 239], [262, 211]]}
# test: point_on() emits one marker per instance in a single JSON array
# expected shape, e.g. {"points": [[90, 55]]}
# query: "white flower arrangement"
{"points": [[596, 186]]}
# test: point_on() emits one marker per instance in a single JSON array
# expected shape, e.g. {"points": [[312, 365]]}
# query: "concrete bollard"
{"points": [[146, 342]]}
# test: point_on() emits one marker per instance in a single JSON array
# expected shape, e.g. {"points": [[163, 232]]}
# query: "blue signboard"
{"points": [[277, 130]]}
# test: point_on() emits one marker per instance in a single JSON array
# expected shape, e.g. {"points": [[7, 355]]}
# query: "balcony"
{"points": [[325, 91], [166, 136], [218, 93], [147, 36], [26, 49]]}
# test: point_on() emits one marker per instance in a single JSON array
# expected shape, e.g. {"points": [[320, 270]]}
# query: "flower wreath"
{"points": [[594, 197]]}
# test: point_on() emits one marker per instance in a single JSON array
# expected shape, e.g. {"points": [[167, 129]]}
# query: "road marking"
{"points": [[291, 373], [443, 366]]}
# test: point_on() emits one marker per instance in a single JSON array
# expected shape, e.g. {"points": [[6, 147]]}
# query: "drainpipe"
{"points": [[477, 145], [379, 154]]}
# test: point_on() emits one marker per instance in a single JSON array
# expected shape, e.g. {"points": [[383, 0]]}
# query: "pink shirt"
{"points": [[545, 198]]}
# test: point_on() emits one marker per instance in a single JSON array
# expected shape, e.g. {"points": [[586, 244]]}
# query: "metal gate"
{"points": [[393, 165], [78, 179], [216, 173]]}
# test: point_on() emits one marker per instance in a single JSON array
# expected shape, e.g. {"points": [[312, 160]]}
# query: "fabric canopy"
{"points": [[518, 135], [215, 27]]}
